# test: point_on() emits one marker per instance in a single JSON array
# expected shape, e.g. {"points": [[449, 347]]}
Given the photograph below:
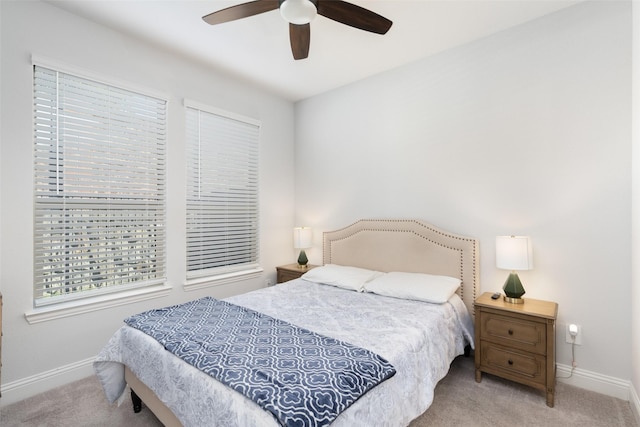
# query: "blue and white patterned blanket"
{"points": [[302, 378]]}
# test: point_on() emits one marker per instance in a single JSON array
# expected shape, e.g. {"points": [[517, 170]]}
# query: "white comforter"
{"points": [[419, 339]]}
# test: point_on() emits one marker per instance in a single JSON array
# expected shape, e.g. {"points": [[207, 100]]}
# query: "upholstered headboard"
{"points": [[407, 245]]}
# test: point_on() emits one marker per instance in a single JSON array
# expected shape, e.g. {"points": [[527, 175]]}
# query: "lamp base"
{"points": [[513, 300], [302, 259], [513, 289]]}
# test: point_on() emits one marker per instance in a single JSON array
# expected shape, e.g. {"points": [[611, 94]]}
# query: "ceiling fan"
{"points": [[299, 13]]}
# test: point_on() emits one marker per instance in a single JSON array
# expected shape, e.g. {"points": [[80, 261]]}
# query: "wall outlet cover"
{"points": [[569, 338]]}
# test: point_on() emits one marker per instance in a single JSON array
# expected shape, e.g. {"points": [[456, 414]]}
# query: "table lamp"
{"points": [[513, 253], [302, 238]]}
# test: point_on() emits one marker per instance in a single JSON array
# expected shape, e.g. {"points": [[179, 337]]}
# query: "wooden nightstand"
{"points": [[517, 342], [291, 271]]}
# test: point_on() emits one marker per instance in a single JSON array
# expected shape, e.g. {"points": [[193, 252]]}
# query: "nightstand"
{"points": [[291, 271], [517, 342]]}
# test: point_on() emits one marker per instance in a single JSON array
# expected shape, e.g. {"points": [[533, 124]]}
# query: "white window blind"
{"points": [[99, 187], [222, 193]]}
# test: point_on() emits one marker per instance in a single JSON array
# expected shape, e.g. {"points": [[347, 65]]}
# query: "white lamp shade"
{"points": [[514, 253], [298, 12], [302, 237]]}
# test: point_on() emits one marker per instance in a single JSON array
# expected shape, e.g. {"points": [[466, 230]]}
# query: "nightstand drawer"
{"points": [[514, 332], [527, 368]]}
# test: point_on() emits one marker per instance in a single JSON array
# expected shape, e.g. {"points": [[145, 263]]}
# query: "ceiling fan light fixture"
{"points": [[298, 12]]}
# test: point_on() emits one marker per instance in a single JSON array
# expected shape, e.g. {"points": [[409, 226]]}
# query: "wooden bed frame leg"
{"points": [[467, 350], [137, 402]]}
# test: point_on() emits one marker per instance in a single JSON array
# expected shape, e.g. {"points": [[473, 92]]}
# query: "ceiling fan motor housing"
{"points": [[298, 12]]}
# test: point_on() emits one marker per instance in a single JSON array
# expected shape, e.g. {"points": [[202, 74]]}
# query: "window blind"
{"points": [[222, 193], [99, 155]]}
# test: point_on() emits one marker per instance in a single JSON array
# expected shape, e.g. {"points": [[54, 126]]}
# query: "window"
{"points": [[99, 223], [222, 192]]}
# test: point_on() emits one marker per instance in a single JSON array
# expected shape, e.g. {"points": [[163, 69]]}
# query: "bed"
{"points": [[418, 338]]}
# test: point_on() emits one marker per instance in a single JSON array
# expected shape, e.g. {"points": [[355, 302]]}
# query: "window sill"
{"points": [[222, 279], [74, 308]]}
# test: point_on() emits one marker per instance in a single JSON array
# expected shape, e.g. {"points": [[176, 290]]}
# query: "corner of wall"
{"points": [[634, 399], [634, 402]]}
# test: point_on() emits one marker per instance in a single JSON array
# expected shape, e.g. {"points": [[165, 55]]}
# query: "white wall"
{"points": [[635, 232], [34, 354], [528, 132]]}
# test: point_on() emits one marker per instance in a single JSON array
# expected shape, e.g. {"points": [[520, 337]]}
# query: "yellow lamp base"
{"points": [[513, 300]]}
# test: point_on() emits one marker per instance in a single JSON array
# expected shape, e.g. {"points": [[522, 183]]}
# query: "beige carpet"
{"points": [[459, 401]]}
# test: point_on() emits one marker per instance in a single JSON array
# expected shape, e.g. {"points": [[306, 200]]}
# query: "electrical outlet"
{"points": [[573, 334]]}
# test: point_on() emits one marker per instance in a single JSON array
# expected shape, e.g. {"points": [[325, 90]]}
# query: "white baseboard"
{"points": [[30, 386], [593, 381]]}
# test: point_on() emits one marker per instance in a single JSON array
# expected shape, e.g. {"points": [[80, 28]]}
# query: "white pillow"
{"points": [[345, 277], [415, 286]]}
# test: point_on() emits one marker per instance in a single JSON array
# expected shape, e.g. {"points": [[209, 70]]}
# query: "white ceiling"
{"points": [[257, 48]]}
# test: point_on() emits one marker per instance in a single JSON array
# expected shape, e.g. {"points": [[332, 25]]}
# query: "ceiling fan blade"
{"points": [[354, 16], [240, 11], [300, 38]]}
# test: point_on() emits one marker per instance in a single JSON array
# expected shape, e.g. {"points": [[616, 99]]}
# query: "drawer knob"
{"points": [[510, 331], [510, 362]]}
